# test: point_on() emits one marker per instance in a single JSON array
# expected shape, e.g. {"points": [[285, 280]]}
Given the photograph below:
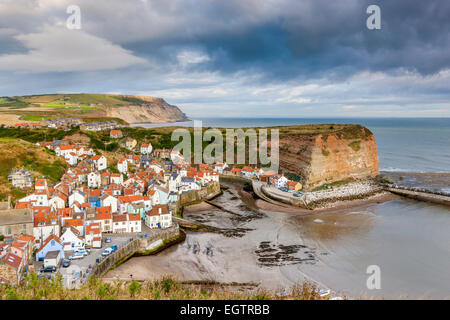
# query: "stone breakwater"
{"points": [[350, 191], [419, 195], [325, 198]]}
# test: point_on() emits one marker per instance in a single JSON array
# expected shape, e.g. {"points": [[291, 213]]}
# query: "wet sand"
{"points": [[331, 247]]}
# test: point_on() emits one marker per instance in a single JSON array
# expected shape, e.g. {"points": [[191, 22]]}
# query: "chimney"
{"points": [[9, 203], [159, 210]]}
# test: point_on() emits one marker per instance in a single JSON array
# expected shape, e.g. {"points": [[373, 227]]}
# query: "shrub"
{"points": [[355, 145], [134, 288]]}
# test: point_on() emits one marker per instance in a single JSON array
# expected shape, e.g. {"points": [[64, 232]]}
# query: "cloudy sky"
{"points": [[236, 58]]}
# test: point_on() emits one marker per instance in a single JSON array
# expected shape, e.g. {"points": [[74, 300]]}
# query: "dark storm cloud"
{"points": [[312, 38], [304, 53]]}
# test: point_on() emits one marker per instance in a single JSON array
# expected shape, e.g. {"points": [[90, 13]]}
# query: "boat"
{"points": [[324, 292], [283, 294]]}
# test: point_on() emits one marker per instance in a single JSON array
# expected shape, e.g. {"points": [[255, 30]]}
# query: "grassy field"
{"points": [[34, 118], [60, 100], [167, 288]]}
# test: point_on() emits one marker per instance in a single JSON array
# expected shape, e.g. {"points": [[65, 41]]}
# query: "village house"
{"points": [[21, 179], [189, 184], [174, 182], [265, 175], [162, 153], [41, 185], [219, 167], [293, 185], [58, 201], [52, 259], [125, 200], [100, 162], [115, 134], [46, 223], [128, 143], [51, 243], [11, 269], [236, 171], [108, 200], [146, 148], [116, 178], [126, 223], [94, 180], [77, 196], [77, 222], [22, 249], [93, 235], [122, 166], [64, 151], [278, 180], [71, 158], [158, 217], [71, 239], [16, 222]]}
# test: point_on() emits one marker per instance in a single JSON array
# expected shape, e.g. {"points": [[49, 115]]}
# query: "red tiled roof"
{"points": [[95, 193], [134, 217], [64, 212], [73, 223], [103, 213], [40, 182], [126, 199], [155, 210], [13, 260], [26, 237], [68, 147], [119, 217], [93, 227]]}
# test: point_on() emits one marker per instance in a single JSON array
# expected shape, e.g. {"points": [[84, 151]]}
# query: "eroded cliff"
{"points": [[332, 153], [154, 110]]}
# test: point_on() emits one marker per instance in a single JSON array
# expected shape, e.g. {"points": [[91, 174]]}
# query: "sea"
{"points": [[406, 241]]}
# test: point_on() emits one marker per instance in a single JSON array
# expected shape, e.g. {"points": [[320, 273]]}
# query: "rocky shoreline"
{"points": [[351, 191]]}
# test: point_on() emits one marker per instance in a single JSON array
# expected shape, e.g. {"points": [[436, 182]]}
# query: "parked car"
{"points": [[297, 194], [66, 263], [114, 248], [107, 252], [108, 240], [48, 269], [82, 251], [76, 255]]}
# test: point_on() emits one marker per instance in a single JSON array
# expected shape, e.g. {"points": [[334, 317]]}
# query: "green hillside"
{"points": [[19, 154]]}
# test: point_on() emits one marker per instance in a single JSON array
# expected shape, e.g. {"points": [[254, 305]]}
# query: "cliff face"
{"points": [[349, 152], [155, 110]]}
